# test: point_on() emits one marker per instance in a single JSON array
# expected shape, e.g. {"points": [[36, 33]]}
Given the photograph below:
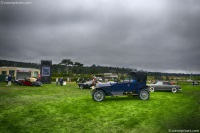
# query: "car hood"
{"points": [[105, 84]]}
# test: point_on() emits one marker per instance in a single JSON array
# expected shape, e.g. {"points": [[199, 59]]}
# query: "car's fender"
{"points": [[145, 87], [177, 87], [36, 83], [106, 90]]}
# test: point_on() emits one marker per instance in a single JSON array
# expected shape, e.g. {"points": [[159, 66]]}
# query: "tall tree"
{"points": [[94, 69], [68, 63], [77, 67]]}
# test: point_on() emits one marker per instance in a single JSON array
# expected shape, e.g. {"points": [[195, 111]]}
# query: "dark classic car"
{"points": [[28, 82], [136, 85], [164, 86], [86, 84]]}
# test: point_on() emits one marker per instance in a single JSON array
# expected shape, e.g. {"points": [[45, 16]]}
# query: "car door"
{"points": [[120, 88], [167, 86], [158, 86], [132, 86], [27, 82]]}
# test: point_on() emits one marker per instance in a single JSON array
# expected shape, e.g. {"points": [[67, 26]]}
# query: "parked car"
{"points": [[86, 84], [28, 82], [136, 85], [195, 83], [164, 86]]}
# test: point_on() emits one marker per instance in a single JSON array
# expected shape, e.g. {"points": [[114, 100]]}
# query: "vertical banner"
{"points": [[46, 71]]}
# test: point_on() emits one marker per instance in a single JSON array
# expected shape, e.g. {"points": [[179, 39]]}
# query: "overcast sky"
{"points": [[154, 35]]}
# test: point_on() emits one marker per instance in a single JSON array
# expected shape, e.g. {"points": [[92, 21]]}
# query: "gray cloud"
{"points": [[151, 35]]}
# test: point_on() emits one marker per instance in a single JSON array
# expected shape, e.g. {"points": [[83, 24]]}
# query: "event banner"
{"points": [[46, 71]]}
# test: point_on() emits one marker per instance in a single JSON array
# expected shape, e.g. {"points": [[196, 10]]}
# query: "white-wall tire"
{"points": [[151, 89], [98, 95], [174, 90], [144, 94]]}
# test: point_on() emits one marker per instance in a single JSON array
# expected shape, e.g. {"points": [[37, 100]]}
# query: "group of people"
{"points": [[59, 80]]}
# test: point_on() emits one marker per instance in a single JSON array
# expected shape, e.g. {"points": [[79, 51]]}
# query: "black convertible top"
{"points": [[138, 75]]}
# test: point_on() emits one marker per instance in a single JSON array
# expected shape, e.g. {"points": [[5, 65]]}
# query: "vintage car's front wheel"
{"points": [[144, 94], [151, 89], [174, 90], [98, 95]]}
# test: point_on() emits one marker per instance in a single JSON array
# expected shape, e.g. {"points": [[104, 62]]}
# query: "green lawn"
{"points": [[52, 108]]}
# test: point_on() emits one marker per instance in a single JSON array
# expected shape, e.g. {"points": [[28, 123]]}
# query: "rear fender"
{"points": [[143, 88]]}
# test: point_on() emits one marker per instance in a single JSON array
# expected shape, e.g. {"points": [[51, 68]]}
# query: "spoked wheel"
{"points": [[174, 90], [98, 95], [151, 89], [144, 94]]}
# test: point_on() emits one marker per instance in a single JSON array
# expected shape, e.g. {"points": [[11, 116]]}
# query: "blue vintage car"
{"points": [[135, 85]]}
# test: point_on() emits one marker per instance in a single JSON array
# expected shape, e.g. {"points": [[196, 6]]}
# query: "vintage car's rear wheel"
{"points": [[174, 90], [98, 95], [144, 94], [151, 89]]}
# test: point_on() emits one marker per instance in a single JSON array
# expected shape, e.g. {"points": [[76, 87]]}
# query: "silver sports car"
{"points": [[164, 86]]}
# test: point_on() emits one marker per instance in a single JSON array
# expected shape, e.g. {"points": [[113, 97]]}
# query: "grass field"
{"points": [[52, 108]]}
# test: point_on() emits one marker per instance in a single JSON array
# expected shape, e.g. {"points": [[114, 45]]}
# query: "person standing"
{"points": [[6, 79], [61, 81], [56, 81], [94, 82], [83, 80], [9, 80]]}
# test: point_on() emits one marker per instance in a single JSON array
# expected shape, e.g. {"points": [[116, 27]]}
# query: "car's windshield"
{"points": [[159, 83], [167, 83]]}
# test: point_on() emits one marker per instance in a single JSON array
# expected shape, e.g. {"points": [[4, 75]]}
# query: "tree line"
{"points": [[70, 67]]}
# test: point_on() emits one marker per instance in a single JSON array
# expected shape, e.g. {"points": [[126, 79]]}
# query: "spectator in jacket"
{"points": [[9, 80], [61, 81], [56, 81]]}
